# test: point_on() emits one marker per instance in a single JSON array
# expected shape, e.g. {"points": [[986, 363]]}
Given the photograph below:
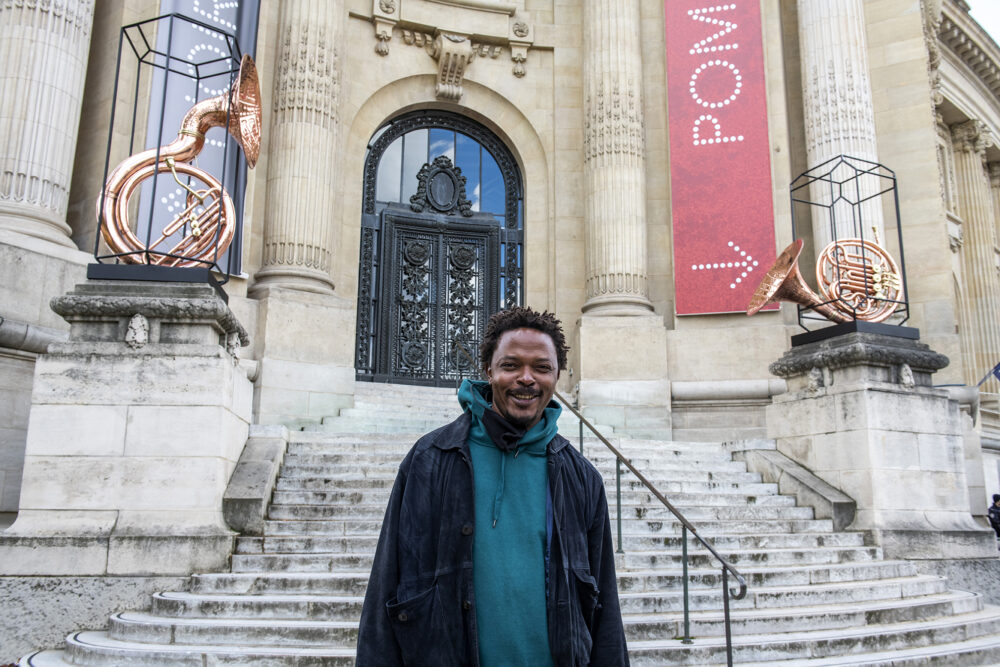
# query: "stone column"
{"points": [[302, 173], [837, 97], [622, 342], [43, 48], [136, 425], [994, 169], [979, 273], [303, 376], [614, 160]]}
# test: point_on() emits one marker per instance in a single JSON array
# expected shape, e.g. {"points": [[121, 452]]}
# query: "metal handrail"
{"points": [[727, 569]]}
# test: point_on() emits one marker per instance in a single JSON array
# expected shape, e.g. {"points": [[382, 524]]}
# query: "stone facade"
{"points": [[535, 73]]}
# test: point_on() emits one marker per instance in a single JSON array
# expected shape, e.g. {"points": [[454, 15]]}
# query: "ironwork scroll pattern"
{"points": [[464, 301], [413, 306], [366, 302]]}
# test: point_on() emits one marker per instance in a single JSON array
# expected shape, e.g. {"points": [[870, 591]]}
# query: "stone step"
{"points": [[310, 504], [634, 544], [851, 592], [639, 560], [97, 649], [391, 460], [835, 643], [308, 607], [143, 627], [708, 623]]}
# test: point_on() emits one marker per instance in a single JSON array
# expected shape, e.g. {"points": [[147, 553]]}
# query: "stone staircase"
{"points": [[293, 596]]}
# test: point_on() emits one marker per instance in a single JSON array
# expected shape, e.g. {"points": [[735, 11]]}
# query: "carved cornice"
{"points": [[77, 306], [858, 349], [960, 34], [507, 29]]}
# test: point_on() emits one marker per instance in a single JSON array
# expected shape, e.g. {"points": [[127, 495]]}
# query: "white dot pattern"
{"points": [[693, 86], [746, 262], [716, 137], [708, 44]]}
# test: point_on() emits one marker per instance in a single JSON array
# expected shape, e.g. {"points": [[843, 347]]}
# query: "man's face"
{"points": [[523, 374]]}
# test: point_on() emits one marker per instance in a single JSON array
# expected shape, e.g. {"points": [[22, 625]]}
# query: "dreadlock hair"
{"points": [[522, 317]]}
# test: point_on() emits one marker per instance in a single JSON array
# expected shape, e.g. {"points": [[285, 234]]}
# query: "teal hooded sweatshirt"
{"points": [[508, 566]]}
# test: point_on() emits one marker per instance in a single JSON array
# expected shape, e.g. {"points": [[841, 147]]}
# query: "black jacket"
{"points": [[420, 605]]}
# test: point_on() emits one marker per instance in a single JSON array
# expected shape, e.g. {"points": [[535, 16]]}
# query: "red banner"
{"points": [[720, 169]]}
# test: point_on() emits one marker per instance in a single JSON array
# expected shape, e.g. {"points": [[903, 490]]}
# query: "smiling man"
{"points": [[496, 544]]}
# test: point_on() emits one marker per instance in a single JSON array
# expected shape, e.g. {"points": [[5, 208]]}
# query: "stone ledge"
{"points": [[43, 610], [794, 479], [857, 349], [244, 504]]}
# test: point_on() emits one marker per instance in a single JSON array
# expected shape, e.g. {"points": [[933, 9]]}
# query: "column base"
{"points": [[623, 373], [290, 277], [31, 221]]}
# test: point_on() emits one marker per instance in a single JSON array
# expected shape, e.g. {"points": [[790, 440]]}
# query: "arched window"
{"points": [[437, 186]]}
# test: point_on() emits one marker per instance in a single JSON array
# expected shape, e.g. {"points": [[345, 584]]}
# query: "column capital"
{"points": [[972, 136]]}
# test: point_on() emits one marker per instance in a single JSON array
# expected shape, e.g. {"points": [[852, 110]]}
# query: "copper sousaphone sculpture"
{"points": [[858, 279], [208, 221]]}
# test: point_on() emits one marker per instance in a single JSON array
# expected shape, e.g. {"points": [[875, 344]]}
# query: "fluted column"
{"points": [[994, 170], [837, 98], [979, 274], [44, 46], [302, 174], [614, 161]]}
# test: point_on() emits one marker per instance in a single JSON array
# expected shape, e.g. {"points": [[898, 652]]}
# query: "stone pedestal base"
{"points": [[623, 373], [860, 413], [306, 352], [135, 426]]}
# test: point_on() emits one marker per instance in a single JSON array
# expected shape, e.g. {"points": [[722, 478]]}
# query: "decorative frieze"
{"points": [[497, 25]]}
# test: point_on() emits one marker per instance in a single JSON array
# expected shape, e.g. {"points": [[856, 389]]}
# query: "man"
{"points": [[994, 514], [496, 544]]}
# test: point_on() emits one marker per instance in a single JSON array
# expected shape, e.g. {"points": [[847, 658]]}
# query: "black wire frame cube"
{"points": [[849, 196], [156, 83]]}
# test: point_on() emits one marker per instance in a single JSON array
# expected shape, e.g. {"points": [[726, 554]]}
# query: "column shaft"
{"points": [[614, 159], [302, 174], [837, 99], [43, 48], [979, 273]]}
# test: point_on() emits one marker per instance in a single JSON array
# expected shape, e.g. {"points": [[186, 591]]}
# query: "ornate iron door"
{"points": [[440, 287]]}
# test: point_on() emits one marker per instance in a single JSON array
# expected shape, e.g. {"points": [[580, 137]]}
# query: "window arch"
{"points": [[396, 154]]}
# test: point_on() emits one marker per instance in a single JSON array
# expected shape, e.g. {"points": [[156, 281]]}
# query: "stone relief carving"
{"points": [[906, 376], [307, 82], [614, 122], [518, 38], [932, 25], [849, 106], [452, 53], [137, 332], [815, 380], [972, 137]]}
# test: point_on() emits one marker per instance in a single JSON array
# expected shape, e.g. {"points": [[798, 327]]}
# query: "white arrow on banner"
{"points": [[744, 265]]}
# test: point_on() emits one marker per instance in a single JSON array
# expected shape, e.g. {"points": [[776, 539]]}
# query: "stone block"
{"points": [[167, 554], [194, 431], [623, 348], [76, 430]]}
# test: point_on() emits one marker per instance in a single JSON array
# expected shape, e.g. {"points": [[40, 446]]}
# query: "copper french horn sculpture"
{"points": [[858, 279], [209, 212]]}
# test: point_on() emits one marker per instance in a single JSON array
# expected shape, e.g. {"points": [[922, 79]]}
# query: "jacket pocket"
{"points": [[587, 593], [423, 631]]}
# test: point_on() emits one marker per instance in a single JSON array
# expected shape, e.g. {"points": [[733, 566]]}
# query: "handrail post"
{"points": [[725, 613], [579, 422], [618, 482], [684, 565]]}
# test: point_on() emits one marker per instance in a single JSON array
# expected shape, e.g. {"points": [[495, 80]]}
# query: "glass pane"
{"points": [[520, 214], [387, 178], [414, 157], [467, 159], [492, 191], [442, 143]]}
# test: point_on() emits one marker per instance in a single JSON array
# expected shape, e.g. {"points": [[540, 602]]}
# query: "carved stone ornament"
{"points": [[387, 6], [441, 186], [137, 332], [452, 53], [856, 349], [520, 29], [906, 376], [815, 380]]}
